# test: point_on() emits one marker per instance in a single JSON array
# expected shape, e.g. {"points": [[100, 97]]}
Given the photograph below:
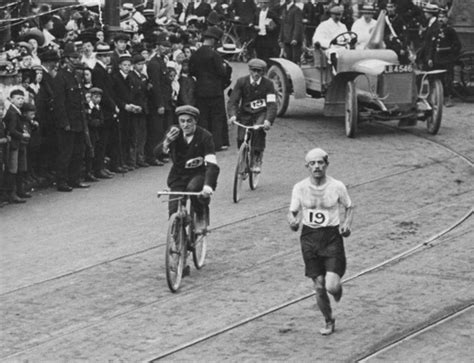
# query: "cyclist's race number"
{"points": [[316, 218]]}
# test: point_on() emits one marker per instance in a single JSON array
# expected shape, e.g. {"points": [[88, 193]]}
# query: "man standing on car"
{"points": [[315, 202]]}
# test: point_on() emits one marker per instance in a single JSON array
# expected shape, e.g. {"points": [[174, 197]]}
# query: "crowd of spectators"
{"points": [[81, 101]]}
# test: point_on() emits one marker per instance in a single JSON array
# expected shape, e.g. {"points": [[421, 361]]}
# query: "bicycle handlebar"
{"points": [[254, 127], [166, 192]]}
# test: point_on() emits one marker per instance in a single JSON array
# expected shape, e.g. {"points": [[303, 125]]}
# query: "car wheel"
{"points": [[351, 114], [282, 88], [435, 99]]}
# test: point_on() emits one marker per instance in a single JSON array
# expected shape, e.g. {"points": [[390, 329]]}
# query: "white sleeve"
{"points": [[295, 204], [321, 36]]}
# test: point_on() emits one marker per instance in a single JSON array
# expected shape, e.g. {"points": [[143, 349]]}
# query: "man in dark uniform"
{"points": [[244, 11], [448, 47], [199, 9], [207, 66], [101, 78], [428, 48], [160, 97], [291, 31], [195, 166], [312, 13], [45, 111], [253, 102], [69, 111]]}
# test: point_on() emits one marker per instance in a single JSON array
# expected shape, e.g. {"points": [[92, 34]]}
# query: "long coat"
{"points": [[161, 83], [69, 100], [45, 100], [207, 66], [103, 80], [428, 49], [291, 25]]}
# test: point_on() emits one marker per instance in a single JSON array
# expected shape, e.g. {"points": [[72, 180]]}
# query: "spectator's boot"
{"points": [[12, 196], [20, 186]]}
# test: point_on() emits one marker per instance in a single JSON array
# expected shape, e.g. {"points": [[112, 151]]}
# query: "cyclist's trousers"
{"points": [[189, 184], [258, 137]]}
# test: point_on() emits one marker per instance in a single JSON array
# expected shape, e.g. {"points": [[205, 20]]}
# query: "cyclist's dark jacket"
{"points": [[247, 100], [188, 159]]}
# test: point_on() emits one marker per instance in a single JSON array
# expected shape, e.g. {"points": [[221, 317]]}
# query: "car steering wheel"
{"points": [[344, 39]]}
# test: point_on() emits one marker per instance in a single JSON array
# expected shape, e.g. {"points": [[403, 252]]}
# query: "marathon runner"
{"points": [[315, 201]]}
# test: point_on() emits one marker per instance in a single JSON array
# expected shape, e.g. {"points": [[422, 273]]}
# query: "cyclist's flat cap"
{"points": [[187, 110], [257, 63]]}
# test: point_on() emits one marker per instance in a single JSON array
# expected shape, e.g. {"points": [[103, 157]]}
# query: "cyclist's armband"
{"points": [[271, 97]]}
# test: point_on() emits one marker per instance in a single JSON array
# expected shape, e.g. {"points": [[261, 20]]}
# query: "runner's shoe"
{"points": [[329, 328]]}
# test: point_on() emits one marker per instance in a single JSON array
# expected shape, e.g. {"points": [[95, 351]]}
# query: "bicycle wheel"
{"points": [[175, 252], [240, 172], [198, 244], [254, 177]]}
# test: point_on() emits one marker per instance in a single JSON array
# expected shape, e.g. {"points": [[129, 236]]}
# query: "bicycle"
{"points": [[245, 160], [182, 239], [231, 37]]}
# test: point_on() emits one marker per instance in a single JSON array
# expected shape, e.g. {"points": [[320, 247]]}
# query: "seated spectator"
{"points": [[364, 26]]}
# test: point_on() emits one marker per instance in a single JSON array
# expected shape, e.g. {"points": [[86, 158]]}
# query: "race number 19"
{"points": [[317, 217]]}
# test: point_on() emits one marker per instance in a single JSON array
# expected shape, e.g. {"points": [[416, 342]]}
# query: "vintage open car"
{"points": [[364, 85]]}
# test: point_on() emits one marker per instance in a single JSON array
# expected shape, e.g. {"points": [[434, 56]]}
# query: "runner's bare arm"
{"points": [[346, 224]]}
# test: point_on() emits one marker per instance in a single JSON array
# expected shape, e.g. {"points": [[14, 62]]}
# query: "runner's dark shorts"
{"points": [[323, 251]]}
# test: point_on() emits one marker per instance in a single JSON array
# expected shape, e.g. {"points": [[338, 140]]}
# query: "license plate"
{"points": [[398, 68]]}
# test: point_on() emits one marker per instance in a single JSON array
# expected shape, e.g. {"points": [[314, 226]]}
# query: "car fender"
{"points": [[294, 74]]}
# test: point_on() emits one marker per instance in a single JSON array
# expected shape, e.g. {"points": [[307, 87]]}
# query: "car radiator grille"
{"points": [[397, 88]]}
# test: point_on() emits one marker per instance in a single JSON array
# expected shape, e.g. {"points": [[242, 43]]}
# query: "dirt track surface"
{"points": [[82, 274]]}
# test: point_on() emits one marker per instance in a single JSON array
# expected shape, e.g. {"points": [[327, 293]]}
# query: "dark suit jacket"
{"points": [[186, 91], [202, 10], [139, 94], [245, 9], [291, 25], [69, 100], [428, 49], [208, 67], [44, 101], [15, 125], [272, 35], [159, 78], [124, 89], [102, 79]]}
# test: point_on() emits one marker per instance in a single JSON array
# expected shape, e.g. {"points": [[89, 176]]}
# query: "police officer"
{"points": [[448, 47], [69, 107], [253, 102]]}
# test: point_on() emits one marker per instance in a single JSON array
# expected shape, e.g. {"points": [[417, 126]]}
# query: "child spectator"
{"points": [[186, 86], [32, 148], [95, 120], [20, 137]]}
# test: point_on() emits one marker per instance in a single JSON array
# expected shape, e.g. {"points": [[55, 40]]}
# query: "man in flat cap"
{"points": [[207, 66], [195, 168], [315, 203], [253, 102]]}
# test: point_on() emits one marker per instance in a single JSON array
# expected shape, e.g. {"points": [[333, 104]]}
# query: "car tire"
{"points": [[351, 110], [282, 88]]}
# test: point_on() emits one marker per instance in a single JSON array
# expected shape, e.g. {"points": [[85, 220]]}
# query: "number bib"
{"points": [[316, 218], [258, 104]]}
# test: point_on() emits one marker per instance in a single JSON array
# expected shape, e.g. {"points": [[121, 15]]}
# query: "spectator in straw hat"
{"points": [[364, 26], [103, 80], [427, 51]]}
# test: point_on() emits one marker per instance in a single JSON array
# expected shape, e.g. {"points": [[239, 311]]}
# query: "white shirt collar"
{"points": [[123, 75], [290, 5], [258, 82], [16, 108], [102, 64]]}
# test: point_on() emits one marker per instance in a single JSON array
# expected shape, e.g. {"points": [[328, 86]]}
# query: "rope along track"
{"points": [[420, 330], [405, 254], [399, 257]]}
